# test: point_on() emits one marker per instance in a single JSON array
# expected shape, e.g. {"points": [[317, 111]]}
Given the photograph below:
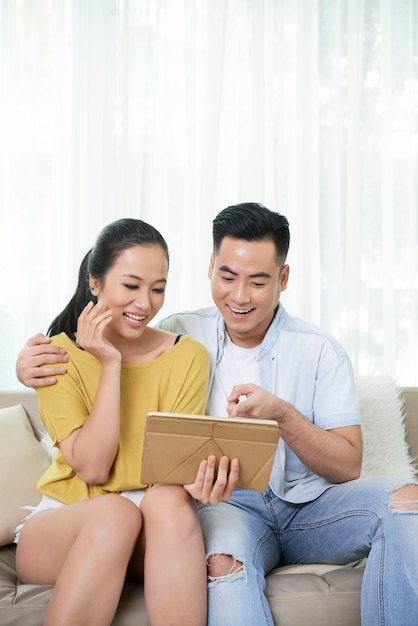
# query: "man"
{"points": [[267, 364]]}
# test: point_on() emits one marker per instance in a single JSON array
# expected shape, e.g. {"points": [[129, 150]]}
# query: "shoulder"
{"points": [[63, 341], [188, 345], [201, 324], [78, 359], [179, 342], [188, 353], [178, 322], [161, 335], [310, 334]]}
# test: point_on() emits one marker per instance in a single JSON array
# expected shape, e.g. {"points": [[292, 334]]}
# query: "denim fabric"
{"points": [[346, 523], [303, 518]]}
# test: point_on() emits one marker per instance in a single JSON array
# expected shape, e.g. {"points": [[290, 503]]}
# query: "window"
{"points": [[172, 110]]}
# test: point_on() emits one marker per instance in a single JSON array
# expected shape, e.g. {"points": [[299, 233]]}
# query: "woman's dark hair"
{"points": [[252, 222], [113, 239]]}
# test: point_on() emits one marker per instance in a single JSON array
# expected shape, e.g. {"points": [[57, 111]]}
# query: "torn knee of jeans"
{"points": [[224, 566], [404, 499]]}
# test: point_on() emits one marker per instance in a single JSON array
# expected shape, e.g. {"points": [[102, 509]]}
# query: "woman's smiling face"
{"points": [[134, 289]]}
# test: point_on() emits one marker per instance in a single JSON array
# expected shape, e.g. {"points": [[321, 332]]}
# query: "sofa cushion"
{"points": [[385, 450], [22, 461]]}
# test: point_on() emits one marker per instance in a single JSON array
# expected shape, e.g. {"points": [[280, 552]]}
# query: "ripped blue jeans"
{"points": [[346, 523]]}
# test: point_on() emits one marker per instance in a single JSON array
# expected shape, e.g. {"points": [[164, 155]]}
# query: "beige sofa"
{"points": [[318, 595]]}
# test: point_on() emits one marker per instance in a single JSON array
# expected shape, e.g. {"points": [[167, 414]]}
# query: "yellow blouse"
{"points": [[177, 382]]}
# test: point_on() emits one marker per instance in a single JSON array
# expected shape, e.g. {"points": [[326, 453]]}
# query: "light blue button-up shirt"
{"points": [[299, 363]]}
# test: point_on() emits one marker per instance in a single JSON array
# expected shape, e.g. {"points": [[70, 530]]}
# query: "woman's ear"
{"points": [[94, 285]]}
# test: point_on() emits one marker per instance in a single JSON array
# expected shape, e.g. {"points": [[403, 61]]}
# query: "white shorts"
{"points": [[134, 495]]}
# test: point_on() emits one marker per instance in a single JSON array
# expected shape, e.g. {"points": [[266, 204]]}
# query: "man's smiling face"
{"points": [[247, 280]]}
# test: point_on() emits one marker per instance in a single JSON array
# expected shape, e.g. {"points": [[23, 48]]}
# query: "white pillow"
{"points": [[385, 450], [22, 461]]}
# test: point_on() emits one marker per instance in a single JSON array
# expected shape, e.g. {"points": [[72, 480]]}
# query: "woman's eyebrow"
{"points": [[134, 276]]}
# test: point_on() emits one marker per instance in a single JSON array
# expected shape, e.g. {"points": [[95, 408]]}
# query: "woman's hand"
{"points": [[91, 449], [90, 333], [209, 490]]}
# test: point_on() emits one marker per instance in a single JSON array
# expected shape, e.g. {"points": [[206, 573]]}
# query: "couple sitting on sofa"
{"points": [[263, 364]]}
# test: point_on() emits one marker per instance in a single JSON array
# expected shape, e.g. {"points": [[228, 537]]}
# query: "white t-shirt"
{"points": [[236, 367]]}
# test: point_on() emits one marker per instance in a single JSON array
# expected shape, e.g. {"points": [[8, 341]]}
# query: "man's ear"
{"points": [[211, 264], [284, 277]]}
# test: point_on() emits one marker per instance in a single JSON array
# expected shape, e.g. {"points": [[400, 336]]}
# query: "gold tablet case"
{"points": [[175, 444]]}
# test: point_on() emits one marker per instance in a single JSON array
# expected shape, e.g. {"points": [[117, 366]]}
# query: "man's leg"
{"points": [[240, 547], [374, 517]]}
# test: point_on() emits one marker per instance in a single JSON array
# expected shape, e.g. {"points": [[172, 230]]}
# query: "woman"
{"points": [[96, 522]]}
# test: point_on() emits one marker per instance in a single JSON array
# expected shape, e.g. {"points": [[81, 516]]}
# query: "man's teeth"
{"points": [[240, 311], [135, 318]]}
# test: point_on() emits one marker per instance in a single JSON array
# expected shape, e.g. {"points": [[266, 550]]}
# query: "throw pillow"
{"points": [[385, 450], [22, 461]]}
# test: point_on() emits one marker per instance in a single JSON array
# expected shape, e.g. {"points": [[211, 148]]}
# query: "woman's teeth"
{"points": [[135, 318]]}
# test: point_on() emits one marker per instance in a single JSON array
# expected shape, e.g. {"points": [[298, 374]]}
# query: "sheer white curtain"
{"points": [[170, 110]]}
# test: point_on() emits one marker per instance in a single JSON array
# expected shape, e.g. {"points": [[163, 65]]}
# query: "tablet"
{"points": [[175, 444]]}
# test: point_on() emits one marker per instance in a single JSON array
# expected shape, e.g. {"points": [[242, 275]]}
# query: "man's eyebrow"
{"points": [[159, 280], [225, 268]]}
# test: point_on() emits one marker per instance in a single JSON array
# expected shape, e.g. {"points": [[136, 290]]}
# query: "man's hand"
{"points": [[32, 359], [210, 491], [254, 402], [334, 454]]}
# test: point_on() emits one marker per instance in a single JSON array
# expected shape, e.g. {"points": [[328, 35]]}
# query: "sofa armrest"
{"points": [[410, 395]]}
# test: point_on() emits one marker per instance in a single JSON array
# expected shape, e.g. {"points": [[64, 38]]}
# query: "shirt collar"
{"points": [[269, 340]]}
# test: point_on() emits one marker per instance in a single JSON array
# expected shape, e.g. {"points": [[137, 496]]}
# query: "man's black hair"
{"points": [[252, 221]]}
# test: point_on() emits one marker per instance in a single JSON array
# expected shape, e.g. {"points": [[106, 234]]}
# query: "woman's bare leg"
{"points": [[83, 549], [175, 581]]}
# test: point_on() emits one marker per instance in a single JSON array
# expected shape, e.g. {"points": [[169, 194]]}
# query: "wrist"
{"points": [[112, 366], [285, 414]]}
